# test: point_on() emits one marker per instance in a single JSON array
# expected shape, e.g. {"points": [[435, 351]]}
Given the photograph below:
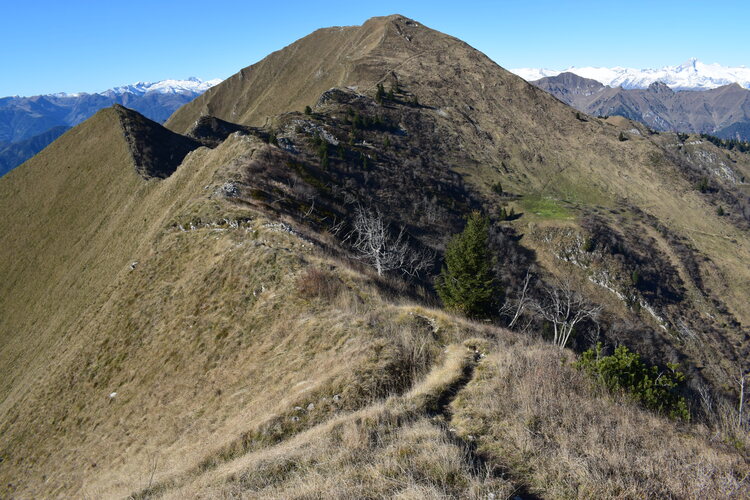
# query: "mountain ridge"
{"points": [[214, 331], [26, 123], [722, 111]]}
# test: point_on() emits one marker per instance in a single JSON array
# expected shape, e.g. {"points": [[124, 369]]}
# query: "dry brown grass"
{"points": [[395, 448], [221, 338], [318, 283], [536, 415]]}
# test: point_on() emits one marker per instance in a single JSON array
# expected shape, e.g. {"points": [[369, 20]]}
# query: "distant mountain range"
{"points": [[29, 124], [691, 75], [722, 111]]}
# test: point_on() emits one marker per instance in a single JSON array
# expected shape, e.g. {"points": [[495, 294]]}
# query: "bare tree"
{"points": [[516, 306], [383, 248], [741, 403], [565, 308]]}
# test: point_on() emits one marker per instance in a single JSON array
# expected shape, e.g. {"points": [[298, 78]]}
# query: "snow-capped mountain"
{"points": [[191, 85], [691, 75]]}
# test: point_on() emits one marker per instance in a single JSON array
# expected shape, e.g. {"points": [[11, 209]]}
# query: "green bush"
{"points": [[625, 371], [467, 283]]}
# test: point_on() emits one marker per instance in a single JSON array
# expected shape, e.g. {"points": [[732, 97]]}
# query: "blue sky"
{"points": [[87, 45]]}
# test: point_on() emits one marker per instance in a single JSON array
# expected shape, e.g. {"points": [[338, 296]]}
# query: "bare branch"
{"points": [[515, 307], [384, 249], [564, 308]]}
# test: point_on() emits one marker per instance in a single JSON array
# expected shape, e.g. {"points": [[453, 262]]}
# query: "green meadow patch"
{"points": [[547, 208]]}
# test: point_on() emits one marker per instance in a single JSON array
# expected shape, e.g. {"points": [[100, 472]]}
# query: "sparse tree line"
{"points": [[475, 281], [731, 144], [468, 284]]}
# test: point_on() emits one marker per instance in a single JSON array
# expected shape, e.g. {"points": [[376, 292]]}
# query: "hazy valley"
{"points": [[29, 124]]}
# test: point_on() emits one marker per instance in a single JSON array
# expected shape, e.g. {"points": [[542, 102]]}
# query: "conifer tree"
{"points": [[380, 93], [466, 283]]}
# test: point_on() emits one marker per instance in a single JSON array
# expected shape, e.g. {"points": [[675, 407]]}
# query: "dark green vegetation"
{"points": [[257, 289], [656, 389], [467, 283], [731, 144]]}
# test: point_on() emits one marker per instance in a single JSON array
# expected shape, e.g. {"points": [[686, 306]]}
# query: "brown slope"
{"points": [[79, 211], [291, 78], [493, 126], [220, 335]]}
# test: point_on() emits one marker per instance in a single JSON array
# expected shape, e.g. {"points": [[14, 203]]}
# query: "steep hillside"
{"points": [[723, 111], [188, 312]]}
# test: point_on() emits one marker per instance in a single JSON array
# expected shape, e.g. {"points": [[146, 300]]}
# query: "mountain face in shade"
{"points": [[26, 122], [723, 111], [188, 310]]}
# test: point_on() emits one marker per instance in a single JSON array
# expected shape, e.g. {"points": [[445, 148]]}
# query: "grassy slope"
{"points": [[226, 334], [222, 331], [508, 130]]}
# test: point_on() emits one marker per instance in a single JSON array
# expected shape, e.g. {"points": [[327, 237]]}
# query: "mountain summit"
{"points": [[241, 303]]}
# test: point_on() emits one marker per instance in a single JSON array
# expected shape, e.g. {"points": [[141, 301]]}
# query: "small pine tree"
{"points": [[622, 137], [308, 110], [720, 211], [379, 94], [466, 283]]}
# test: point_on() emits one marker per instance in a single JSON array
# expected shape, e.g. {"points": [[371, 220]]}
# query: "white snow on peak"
{"points": [[190, 85], [690, 75]]}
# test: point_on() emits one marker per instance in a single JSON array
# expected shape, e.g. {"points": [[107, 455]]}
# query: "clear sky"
{"points": [[91, 45]]}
